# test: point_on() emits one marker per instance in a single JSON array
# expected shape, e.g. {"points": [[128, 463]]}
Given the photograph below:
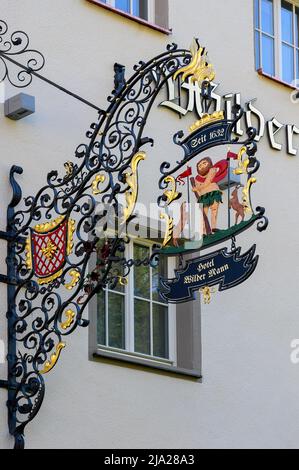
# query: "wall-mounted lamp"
{"points": [[19, 106]]}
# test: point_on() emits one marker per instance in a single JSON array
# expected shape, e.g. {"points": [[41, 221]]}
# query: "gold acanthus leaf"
{"points": [[169, 228], [246, 195], [70, 318], [171, 194], [49, 365], [242, 163], [99, 179], [74, 281], [132, 182]]}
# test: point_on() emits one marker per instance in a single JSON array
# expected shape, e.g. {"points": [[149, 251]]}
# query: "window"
{"points": [[134, 318], [277, 39], [137, 8], [289, 37], [133, 325], [151, 13], [264, 32]]}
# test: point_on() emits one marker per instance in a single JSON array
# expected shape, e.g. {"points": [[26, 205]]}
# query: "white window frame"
{"points": [[277, 7], [129, 316], [150, 9]]}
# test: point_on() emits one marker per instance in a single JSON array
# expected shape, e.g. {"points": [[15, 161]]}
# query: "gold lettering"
{"points": [[216, 271]]}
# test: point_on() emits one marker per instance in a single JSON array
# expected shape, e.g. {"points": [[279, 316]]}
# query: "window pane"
{"points": [[257, 13], [268, 55], [142, 327], [136, 7], [297, 68], [267, 16], [297, 27], [287, 63], [160, 331], [123, 5], [101, 324], [116, 323], [141, 273], [287, 22], [161, 270], [257, 50]]}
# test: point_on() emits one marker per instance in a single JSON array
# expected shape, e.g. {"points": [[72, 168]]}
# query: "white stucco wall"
{"points": [[248, 397]]}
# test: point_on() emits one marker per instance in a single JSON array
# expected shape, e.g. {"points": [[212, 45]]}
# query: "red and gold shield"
{"points": [[48, 248]]}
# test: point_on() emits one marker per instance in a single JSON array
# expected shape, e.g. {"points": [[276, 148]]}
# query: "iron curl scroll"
{"points": [[18, 44], [42, 313]]}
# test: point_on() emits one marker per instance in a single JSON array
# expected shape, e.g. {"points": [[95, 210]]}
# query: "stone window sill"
{"points": [[127, 360]]}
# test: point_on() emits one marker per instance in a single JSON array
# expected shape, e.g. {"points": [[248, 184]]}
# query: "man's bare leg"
{"points": [[214, 215]]}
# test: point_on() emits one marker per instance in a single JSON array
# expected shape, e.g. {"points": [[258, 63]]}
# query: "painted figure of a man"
{"points": [[206, 188]]}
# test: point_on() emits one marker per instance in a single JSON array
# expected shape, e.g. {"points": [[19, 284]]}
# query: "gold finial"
{"points": [[207, 294]]}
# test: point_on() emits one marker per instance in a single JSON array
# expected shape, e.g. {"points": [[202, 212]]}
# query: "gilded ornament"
{"points": [[242, 164], [171, 194], [199, 68], [49, 226], [99, 179], [54, 359], [70, 237], [132, 182], [169, 228], [50, 250], [207, 294], [75, 279], [70, 317], [246, 195], [207, 119]]}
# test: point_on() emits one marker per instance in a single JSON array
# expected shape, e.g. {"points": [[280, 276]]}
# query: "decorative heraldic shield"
{"points": [[48, 248]]}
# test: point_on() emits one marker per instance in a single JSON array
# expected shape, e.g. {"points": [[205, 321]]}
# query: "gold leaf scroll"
{"points": [[199, 68], [246, 195], [132, 182], [171, 194], [242, 164], [99, 179], [70, 318], [169, 228], [74, 281], [54, 359]]}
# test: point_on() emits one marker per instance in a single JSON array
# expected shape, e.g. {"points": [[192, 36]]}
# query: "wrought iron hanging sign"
{"points": [[209, 182], [51, 236], [223, 268]]}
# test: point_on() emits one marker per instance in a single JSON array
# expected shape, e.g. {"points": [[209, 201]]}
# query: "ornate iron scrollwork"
{"points": [[17, 44], [53, 234]]}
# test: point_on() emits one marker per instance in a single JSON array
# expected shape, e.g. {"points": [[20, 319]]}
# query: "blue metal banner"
{"points": [[223, 268], [208, 137]]}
